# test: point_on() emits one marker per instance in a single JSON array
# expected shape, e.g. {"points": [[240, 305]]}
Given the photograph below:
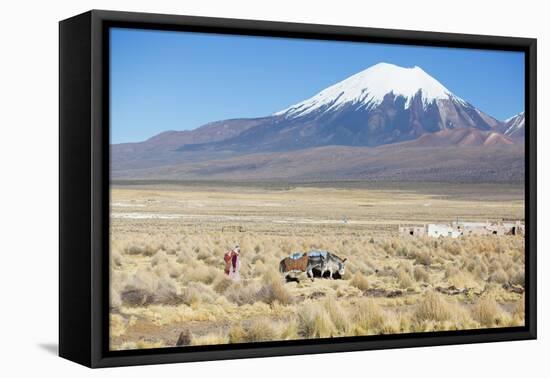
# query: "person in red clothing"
{"points": [[232, 263]]}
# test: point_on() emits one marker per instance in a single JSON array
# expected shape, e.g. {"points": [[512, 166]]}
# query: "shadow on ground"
{"points": [[51, 348]]}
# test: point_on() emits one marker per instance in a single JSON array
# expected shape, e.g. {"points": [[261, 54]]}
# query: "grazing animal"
{"points": [[316, 260], [322, 261], [294, 264], [333, 264], [325, 261]]}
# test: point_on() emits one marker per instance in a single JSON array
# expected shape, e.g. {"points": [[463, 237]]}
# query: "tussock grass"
{"points": [[221, 283], [368, 317], [209, 339], [197, 292], [360, 281], [289, 330], [423, 258], [140, 344], [147, 287], [116, 258], [260, 329], [518, 313], [404, 277], [338, 315], [433, 307], [518, 277], [201, 273], [117, 325], [499, 276], [145, 249], [273, 290], [242, 293], [487, 312], [315, 322], [421, 274]]}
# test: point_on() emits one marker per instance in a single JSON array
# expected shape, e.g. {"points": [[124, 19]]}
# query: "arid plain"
{"points": [[168, 240]]}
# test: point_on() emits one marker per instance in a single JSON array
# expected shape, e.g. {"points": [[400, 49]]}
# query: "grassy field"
{"points": [[168, 240]]}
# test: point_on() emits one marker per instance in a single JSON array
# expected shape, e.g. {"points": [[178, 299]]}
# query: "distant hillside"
{"points": [[392, 162], [383, 123]]}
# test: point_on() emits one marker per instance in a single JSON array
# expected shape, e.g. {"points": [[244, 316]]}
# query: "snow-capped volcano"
{"points": [[367, 89], [514, 126], [380, 105], [384, 104]]}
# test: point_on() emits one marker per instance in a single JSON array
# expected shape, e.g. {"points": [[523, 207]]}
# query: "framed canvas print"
{"points": [[234, 188]]}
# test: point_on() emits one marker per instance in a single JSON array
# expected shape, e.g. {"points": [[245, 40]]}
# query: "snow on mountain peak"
{"points": [[368, 88], [515, 116], [514, 124]]}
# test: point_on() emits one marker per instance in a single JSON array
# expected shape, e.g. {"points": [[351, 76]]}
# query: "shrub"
{"points": [[117, 283], [184, 257], [360, 281], [454, 248], [273, 290], [499, 276], [146, 344], [200, 273], [117, 325], [197, 292], [421, 274], [404, 278], [290, 331], [315, 322], [256, 330], [337, 314], [433, 307], [141, 249], [480, 271], [116, 259], [423, 258], [487, 312], [518, 278], [242, 293], [209, 339], [519, 309], [369, 316], [160, 258], [221, 283], [236, 334], [259, 330], [146, 287]]}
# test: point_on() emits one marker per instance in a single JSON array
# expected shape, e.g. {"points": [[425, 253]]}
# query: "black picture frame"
{"points": [[84, 187]]}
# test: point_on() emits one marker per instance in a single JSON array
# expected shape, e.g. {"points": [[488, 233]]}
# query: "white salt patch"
{"points": [[145, 216], [126, 204]]}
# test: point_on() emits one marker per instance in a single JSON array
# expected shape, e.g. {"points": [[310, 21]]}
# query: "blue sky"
{"points": [[163, 80]]}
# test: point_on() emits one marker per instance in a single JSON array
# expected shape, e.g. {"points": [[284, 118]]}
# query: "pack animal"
{"points": [[333, 264], [295, 264], [324, 261], [318, 261]]}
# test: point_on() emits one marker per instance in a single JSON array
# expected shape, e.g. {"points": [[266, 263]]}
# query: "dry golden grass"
{"points": [[167, 269], [487, 312], [315, 322], [360, 281], [421, 274], [259, 330], [214, 338], [433, 307], [368, 317]]}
